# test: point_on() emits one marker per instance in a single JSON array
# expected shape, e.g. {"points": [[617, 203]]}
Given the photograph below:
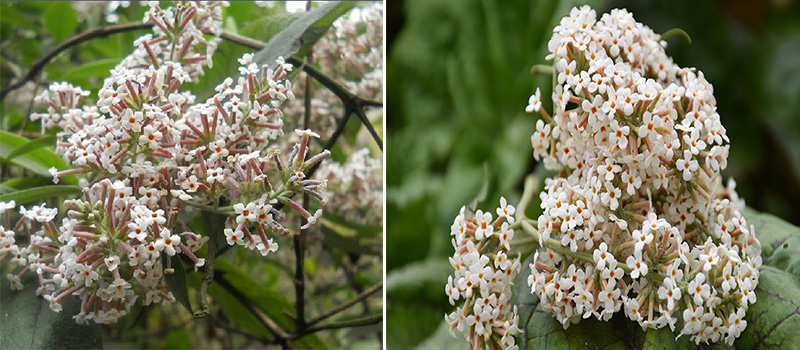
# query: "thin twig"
{"points": [[364, 120], [348, 304], [234, 329], [364, 321], [37, 66], [280, 336], [299, 240]]}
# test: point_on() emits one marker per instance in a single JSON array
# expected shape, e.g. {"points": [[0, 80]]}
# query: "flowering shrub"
{"points": [[150, 157], [636, 219]]}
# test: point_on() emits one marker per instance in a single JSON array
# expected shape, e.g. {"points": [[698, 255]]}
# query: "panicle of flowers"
{"points": [[150, 153], [639, 147], [483, 278], [355, 187], [64, 106]]}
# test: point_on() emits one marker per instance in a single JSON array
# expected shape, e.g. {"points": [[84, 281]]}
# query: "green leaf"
{"points": [[265, 28], [61, 20], [26, 321], [233, 308], [31, 145], [664, 339], [350, 229], [80, 75], [38, 193], [780, 241], [352, 237], [273, 303], [176, 282], [774, 320], [352, 245], [38, 160], [21, 183], [418, 273], [676, 31], [300, 36]]}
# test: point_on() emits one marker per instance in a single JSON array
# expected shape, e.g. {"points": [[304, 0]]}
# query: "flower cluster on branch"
{"points": [[637, 218], [150, 156]]}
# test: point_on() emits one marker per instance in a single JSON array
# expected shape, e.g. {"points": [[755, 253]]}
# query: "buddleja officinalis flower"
{"points": [[637, 219], [148, 151]]}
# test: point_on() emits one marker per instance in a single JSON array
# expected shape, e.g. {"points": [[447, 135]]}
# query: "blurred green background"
{"points": [[458, 80]]}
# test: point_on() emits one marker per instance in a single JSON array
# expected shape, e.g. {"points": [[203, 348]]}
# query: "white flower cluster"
{"points": [[358, 187], [483, 278], [149, 153], [641, 220]]}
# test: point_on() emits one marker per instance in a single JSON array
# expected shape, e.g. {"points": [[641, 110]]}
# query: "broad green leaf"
{"points": [[350, 244], [780, 241], [664, 339], [26, 321], [300, 36], [99, 68], [418, 273], [265, 28], [38, 193], [774, 320], [21, 183], [9, 15], [273, 303], [233, 308], [31, 145], [176, 282], [350, 229], [38, 161], [352, 237], [61, 20]]}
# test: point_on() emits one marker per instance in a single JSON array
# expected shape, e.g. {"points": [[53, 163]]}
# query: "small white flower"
{"points": [[15, 281], [312, 219], [506, 210], [534, 103], [637, 265], [669, 291], [112, 262], [485, 225], [234, 237]]}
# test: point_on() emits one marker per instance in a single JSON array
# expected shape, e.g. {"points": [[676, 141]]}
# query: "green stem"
{"points": [[209, 272], [227, 211], [542, 69], [527, 195]]}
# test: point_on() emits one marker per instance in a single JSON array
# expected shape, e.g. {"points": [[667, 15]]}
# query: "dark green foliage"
{"points": [[26, 321]]}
